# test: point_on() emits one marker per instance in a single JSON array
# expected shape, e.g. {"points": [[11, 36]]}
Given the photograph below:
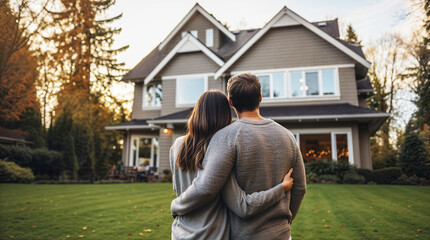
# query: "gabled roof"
{"points": [[210, 17], [286, 17], [187, 43], [230, 48]]}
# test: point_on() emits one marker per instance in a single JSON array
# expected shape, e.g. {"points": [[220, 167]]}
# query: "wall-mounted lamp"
{"points": [[167, 131]]}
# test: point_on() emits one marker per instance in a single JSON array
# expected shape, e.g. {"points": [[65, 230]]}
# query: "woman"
{"points": [[212, 113]]}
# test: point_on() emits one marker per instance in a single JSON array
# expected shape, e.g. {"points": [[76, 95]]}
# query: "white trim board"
{"points": [[299, 118], [188, 38], [293, 17], [131, 127], [293, 69], [187, 17]]}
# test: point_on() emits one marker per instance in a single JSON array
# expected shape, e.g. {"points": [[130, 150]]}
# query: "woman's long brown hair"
{"points": [[211, 113]]}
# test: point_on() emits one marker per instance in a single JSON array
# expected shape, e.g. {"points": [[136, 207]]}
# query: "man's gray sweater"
{"points": [[260, 153]]}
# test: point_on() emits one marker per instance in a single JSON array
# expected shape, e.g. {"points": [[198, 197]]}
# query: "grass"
{"points": [[115, 211]]}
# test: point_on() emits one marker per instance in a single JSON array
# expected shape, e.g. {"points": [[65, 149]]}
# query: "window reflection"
{"points": [[315, 147]]}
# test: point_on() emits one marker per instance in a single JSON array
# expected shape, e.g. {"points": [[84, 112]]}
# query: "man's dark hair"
{"points": [[244, 91]]}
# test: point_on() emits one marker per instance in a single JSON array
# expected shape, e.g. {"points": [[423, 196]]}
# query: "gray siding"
{"points": [[215, 84], [200, 23], [356, 145], [366, 160], [138, 112], [290, 47], [164, 143], [287, 47], [362, 102], [189, 63], [169, 97]]}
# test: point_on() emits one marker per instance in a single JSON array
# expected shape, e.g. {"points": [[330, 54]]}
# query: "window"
{"points": [[272, 85], [153, 95], [193, 32], [144, 150], [210, 37], [315, 147], [313, 83], [325, 144], [189, 89]]}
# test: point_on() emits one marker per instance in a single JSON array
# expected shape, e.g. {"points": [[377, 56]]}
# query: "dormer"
{"points": [[203, 26]]}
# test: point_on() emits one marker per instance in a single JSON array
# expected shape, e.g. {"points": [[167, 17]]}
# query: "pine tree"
{"points": [[351, 35], [414, 157], [88, 68]]}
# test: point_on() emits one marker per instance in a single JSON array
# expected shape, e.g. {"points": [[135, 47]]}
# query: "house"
{"points": [[313, 83]]}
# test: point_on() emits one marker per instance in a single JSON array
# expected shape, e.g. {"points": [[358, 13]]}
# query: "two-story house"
{"points": [[313, 83]]}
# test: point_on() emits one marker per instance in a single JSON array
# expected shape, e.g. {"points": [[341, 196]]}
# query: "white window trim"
{"points": [[144, 106], [209, 41], [130, 155], [333, 132], [287, 85], [177, 98]]}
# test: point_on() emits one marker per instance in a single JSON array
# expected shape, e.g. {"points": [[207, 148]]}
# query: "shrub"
{"points": [[366, 173], [12, 173], [167, 176], [329, 168], [17, 154], [328, 178], [353, 178], [321, 167], [414, 155], [387, 175], [405, 180], [312, 178]]}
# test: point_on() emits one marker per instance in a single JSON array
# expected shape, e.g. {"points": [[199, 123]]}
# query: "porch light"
{"points": [[167, 131]]}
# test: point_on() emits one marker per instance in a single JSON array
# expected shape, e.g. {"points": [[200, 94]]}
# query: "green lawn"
{"points": [[123, 211]]}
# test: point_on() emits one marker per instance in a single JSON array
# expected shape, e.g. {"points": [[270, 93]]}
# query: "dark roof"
{"points": [[331, 27], [134, 122], [293, 111], [364, 85], [355, 47], [229, 47]]}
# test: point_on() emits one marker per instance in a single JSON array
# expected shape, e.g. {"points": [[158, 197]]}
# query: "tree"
{"points": [[87, 70], [414, 156], [388, 58], [419, 72], [351, 35]]}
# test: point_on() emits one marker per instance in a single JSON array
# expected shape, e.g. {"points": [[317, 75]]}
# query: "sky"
{"points": [[145, 23]]}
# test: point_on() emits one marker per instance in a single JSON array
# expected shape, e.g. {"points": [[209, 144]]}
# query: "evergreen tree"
{"points": [[414, 157], [88, 69], [351, 35]]}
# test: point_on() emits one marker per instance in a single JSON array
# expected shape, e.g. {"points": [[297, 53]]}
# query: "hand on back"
{"points": [[287, 182]]}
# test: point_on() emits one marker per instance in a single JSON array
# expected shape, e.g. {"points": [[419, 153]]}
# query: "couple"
{"points": [[227, 175]]}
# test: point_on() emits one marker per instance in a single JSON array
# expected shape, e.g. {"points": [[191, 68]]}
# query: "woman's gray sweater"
{"points": [[210, 221]]}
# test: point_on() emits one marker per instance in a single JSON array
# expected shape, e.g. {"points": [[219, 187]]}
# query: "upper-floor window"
{"points": [[272, 85], [292, 84], [210, 37], [312, 83], [189, 89], [153, 95], [193, 32]]}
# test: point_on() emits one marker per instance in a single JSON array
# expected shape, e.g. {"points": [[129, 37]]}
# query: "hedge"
{"points": [[387, 175], [366, 173]]}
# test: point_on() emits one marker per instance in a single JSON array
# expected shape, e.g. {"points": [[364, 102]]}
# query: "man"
{"points": [[260, 152]]}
